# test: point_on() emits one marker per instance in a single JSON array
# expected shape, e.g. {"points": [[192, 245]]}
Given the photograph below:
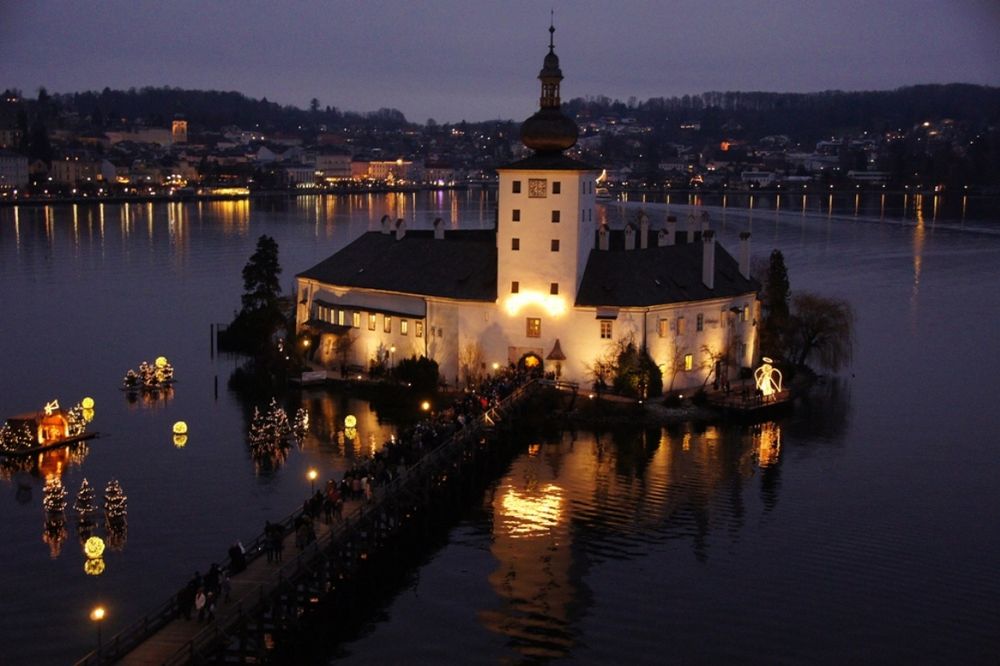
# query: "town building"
{"points": [[13, 170], [550, 286]]}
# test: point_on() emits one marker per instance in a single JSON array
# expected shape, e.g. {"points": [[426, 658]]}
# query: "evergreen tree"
{"points": [[54, 496], [115, 505], [77, 422], [84, 505], [774, 306]]}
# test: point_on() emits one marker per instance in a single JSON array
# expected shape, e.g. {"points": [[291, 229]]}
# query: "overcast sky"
{"points": [[452, 60]]}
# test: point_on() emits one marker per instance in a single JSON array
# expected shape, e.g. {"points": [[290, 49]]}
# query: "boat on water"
{"points": [[48, 428]]}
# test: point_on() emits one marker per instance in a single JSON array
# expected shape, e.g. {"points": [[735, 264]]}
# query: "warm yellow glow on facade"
{"points": [[553, 305], [532, 513]]}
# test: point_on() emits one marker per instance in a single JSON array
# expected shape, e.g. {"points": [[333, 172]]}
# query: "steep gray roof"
{"points": [[548, 161], [462, 265], [657, 275]]}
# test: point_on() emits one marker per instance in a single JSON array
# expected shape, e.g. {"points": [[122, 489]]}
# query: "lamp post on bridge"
{"points": [[97, 616]]}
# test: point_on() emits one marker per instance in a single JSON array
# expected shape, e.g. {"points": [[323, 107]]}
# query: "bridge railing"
{"points": [[133, 635]]}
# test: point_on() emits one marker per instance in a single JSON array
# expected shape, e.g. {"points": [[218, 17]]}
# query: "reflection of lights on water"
{"points": [[531, 513], [180, 441], [768, 444], [94, 567]]}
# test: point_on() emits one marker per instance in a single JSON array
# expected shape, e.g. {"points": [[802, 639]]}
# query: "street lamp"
{"points": [[97, 615], [311, 475]]}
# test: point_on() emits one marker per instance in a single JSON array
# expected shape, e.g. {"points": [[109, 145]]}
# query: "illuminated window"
{"points": [[554, 288], [688, 362], [555, 244], [515, 244], [404, 326], [419, 329], [516, 215], [606, 329], [745, 314], [681, 326], [371, 321], [516, 189], [356, 319], [556, 187], [534, 329], [387, 324], [555, 216], [515, 287], [341, 314], [699, 322], [663, 327]]}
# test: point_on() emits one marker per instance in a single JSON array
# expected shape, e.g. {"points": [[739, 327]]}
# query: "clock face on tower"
{"points": [[537, 188]]}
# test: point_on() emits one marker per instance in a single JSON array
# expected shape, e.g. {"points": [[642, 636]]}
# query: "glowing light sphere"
{"points": [[180, 428], [350, 421], [161, 362], [425, 406], [87, 403], [94, 567], [180, 441], [93, 547]]}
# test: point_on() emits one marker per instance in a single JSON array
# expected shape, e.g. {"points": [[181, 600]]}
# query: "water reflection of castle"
{"points": [[582, 500]]}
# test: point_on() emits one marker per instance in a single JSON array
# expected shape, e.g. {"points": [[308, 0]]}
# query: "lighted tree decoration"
{"points": [[77, 421], [301, 424], [259, 436], [278, 418], [16, 438], [84, 505], [54, 496], [115, 506], [165, 373], [131, 382], [147, 375]]}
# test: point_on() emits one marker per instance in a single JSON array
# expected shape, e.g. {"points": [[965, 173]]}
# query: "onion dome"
{"points": [[549, 130]]}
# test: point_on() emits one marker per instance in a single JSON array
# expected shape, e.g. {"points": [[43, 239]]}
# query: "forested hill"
{"points": [[212, 109], [804, 116], [801, 116]]}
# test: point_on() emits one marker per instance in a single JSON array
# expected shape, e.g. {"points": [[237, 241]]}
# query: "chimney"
{"points": [[602, 237], [438, 228], [643, 231], [386, 222], [745, 254], [400, 228], [668, 235], [629, 236], [708, 258]]}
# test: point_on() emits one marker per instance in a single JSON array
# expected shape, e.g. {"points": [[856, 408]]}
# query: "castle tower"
{"points": [[546, 218]]}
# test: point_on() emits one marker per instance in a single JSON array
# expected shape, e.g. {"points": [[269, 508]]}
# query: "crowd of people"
{"points": [[202, 594]]}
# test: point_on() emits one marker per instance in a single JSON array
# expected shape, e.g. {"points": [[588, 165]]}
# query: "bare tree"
{"points": [[471, 361], [822, 327]]}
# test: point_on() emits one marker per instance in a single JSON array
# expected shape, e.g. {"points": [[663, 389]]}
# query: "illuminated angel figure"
{"points": [[768, 378]]}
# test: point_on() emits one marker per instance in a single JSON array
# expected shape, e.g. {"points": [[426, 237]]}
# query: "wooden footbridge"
{"points": [[270, 601]]}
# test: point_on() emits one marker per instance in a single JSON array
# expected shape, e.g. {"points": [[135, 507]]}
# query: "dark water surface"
{"points": [[861, 529]]}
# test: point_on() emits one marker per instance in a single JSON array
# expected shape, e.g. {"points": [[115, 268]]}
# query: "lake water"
{"points": [[858, 529]]}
